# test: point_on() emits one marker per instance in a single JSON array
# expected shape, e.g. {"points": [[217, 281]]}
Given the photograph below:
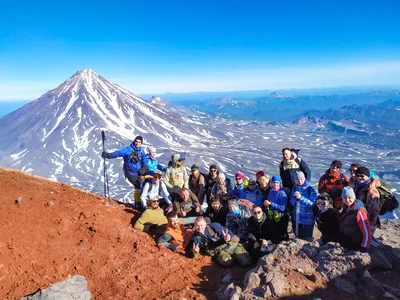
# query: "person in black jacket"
{"points": [[327, 218], [291, 163], [262, 233], [217, 212], [210, 180]]}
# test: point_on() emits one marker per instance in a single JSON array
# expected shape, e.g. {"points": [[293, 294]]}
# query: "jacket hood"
{"points": [[174, 159], [357, 205]]}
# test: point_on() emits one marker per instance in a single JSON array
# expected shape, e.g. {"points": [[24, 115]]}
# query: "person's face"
{"points": [[195, 173], [156, 177], [174, 222], [200, 226], [220, 180], [179, 162], [300, 180], [321, 204], [353, 172], [138, 143], [287, 154], [213, 173], [154, 204], [239, 180], [215, 205], [334, 169], [153, 154], [257, 213], [263, 183], [361, 178], [185, 195], [252, 186], [232, 207], [276, 185], [348, 201]]}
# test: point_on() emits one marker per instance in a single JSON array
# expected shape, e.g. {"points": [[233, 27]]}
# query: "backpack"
{"points": [[387, 199]]}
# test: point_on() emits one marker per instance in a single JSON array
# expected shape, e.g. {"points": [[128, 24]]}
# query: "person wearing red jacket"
{"points": [[332, 183]]}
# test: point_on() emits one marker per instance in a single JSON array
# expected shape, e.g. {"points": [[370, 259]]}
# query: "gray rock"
{"points": [[310, 251], [252, 282], [345, 285], [73, 288], [379, 260]]}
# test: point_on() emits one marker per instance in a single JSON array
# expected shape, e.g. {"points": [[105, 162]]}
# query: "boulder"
{"points": [[73, 288]]}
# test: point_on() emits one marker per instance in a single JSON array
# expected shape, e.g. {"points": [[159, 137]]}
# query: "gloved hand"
{"points": [[105, 154], [297, 195], [363, 250]]}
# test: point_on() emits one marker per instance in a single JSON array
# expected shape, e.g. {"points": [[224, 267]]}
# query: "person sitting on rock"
{"points": [[327, 218], [251, 193], [261, 230], [135, 163], [366, 190], [156, 188], [291, 164], [236, 220], [355, 231], [176, 176], [239, 186], [210, 180], [152, 219], [220, 243], [176, 237], [217, 212], [197, 183], [303, 199], [187, 206], [152, 162], [332, 182], [276, 206], [221, 190]]}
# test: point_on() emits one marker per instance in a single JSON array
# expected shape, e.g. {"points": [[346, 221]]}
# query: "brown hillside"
{"points": [[58, 231]]}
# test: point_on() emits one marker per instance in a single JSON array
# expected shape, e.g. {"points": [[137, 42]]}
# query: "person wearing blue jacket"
{"points": [[134, 160], [239, 186], [251, 193], [303, 199], [276, 207], [152, 162]]}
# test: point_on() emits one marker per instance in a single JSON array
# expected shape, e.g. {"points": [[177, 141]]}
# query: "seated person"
{"points": [[152, 219], [156, 188], [327, 218], [236, 220], [217, 212], [176, 236], [355, 230], [219, 243], [187, 205], [221, 190], [251, 192], [261, 230]]}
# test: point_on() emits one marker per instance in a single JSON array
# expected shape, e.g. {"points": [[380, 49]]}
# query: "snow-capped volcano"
{"points": [[59, 135]]}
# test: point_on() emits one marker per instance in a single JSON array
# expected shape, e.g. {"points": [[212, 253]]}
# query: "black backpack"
{"points": [[387, 199]]}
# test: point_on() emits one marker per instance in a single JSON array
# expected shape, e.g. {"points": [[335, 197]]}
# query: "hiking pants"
{"points": [[282, 227], [305, 231], [231, 252], [134, 180]]}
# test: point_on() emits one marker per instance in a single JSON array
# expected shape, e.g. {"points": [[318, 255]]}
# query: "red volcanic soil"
{"points": [[56, 231]]}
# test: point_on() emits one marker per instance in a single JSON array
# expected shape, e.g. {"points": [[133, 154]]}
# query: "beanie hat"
{"points": [[138, 138], [337, 163], [260, 173], [325, 197], [276, 179], [363, 171], [252, 180], [300, 174], [348, 192], [194, 167], [233, 202], [239, 175], [153, 150]]}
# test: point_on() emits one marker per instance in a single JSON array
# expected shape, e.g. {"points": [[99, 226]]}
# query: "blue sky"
{"points": [[183, 46]]}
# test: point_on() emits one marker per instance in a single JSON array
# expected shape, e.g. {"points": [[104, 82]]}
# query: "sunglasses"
{"points": [[320, 202], [258, 212], [352, 170], [251, 184], [361, 176], [336, 167], [213, 171], [157, 176]]}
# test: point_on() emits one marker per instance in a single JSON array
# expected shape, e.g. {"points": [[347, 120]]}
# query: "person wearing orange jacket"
{"points": [[332, 183]]}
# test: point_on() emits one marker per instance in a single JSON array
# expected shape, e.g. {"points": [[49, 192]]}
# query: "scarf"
{"points": [[359, 184], [236, 212]]}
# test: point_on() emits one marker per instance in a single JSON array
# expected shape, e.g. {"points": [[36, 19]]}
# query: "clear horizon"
{"points": [[155, 48]]}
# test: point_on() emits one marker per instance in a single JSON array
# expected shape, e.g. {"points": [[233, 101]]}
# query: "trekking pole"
{"points": [[106, 186], [297, 217]]}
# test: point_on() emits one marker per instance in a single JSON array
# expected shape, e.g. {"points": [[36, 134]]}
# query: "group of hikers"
{"points": [[205, 213]]}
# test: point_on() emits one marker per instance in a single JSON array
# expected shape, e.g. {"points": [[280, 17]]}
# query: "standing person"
{"points": [[210, 180], [152, 162], [276, 205], [236, 220], [135, 163], [264, 186], [332, 182], [260, 174], [355, 231], [156, 189], [217, 212], [221, 190], [261, 230], [219, 243], [353, 177], [366, 190], [290, 164], [239, 186], [251, 193], [176, 176], [303, 199], [327, 218], [197, 183]]}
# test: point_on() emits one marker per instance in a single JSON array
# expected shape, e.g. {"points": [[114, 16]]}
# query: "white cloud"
{"points": [[368, 73]]}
